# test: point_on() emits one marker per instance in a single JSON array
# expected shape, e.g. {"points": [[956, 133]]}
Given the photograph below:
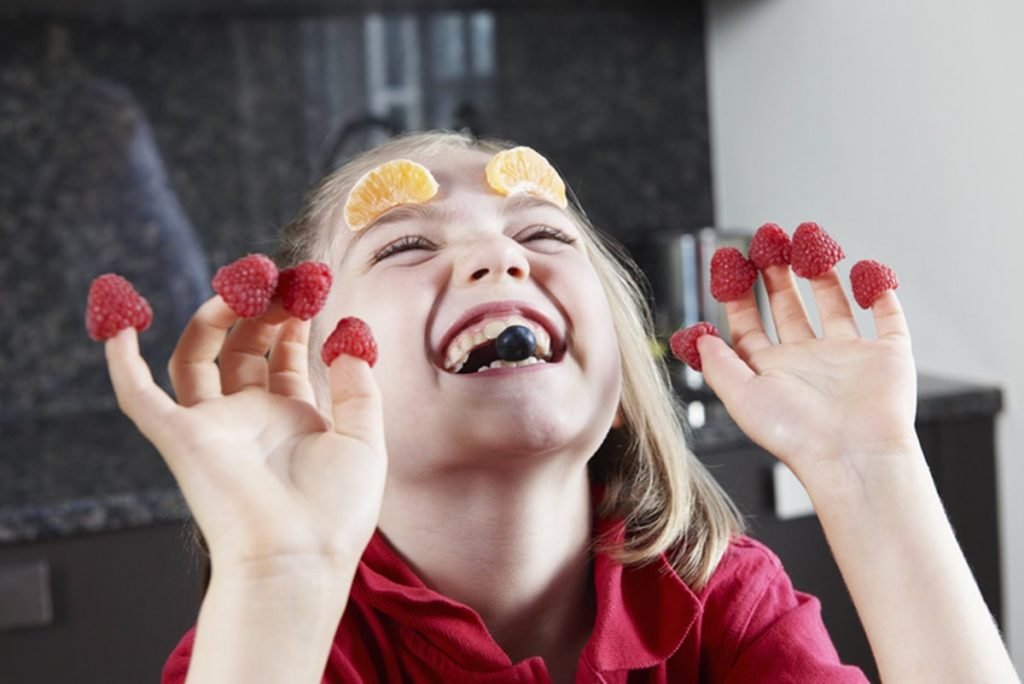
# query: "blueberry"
{"points": [[515, 343]]}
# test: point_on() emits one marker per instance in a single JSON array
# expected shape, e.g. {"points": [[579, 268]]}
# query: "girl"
{"points": [[545, 522]]}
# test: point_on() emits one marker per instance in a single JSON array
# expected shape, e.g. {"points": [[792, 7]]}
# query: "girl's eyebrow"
{"points": [[436, 213], [403, 212], [432, 212], [523, 201]]}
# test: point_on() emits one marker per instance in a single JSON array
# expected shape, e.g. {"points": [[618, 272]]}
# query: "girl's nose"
{"points": [[491, 260]]}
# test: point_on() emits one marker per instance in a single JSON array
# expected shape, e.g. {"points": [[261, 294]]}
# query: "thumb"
{"points": [[138, 396], [724, 371], [355, 401]]}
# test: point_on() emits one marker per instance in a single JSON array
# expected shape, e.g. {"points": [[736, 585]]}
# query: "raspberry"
{"points": [[732, 274], [247, 285], [770, 247], [114, 304], [814, 251], [303, 289], [684, 343], [869, 280], [353, 337]]}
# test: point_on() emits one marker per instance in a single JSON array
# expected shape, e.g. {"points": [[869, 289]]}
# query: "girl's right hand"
{"points": [[273, 485]]}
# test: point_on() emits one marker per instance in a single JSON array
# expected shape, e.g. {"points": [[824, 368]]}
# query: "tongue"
{"points": [[482, 356]]}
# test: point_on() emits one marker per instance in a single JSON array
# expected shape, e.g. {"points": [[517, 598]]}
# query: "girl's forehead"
{"points": [[461, 177], [458, 168]]}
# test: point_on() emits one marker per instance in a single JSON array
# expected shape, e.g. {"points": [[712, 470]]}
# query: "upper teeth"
{"points": [[475, 335]]}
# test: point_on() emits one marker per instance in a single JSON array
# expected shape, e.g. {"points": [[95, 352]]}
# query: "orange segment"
{"points": [[400, 181], [523, 169]]}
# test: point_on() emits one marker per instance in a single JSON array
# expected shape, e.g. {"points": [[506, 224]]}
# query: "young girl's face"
{"points": [[415, 276]]}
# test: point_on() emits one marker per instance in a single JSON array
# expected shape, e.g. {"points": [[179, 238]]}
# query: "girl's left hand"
{"points": [[822, 405]]}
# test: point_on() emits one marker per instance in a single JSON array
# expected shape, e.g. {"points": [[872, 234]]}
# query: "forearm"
{"points": [[271, 628], [915, 595]]}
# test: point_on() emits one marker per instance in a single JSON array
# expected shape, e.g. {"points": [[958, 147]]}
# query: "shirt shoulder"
{"points": [[744, 573], [176, 668], [755, 624], [735, 595]]}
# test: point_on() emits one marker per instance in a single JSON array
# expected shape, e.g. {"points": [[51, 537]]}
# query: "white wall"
{"points": [[899, 126]]}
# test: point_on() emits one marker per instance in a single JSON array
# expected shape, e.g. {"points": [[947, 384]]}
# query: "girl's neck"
{"points": [[515, 547]]}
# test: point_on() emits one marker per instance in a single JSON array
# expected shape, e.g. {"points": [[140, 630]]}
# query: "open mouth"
{"points": [[474, 349]]}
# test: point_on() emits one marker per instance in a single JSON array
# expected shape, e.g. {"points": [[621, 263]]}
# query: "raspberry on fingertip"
{"points": [[114, 305], [770, 246], [684, 343], [814, 251], [732, 274], [303, 289], [247, 285], [869, 279], [351, 336]]}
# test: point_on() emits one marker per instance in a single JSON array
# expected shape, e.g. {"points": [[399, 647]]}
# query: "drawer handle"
{"points": [[25, 596]]}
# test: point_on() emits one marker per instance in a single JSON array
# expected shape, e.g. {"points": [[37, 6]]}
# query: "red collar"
{"points": [[643, 613]]}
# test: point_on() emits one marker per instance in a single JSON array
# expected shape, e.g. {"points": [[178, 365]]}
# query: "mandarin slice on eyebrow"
{"points": [[523, 169], [400, 181]]}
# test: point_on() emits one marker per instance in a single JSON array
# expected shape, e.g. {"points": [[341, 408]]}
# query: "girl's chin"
{"points": [[524, 437]]}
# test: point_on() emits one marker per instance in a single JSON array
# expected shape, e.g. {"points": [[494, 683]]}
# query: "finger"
{"points": [[834, 306], [243, 356], [192, 367], [289, 362], [788, 311], [356, 402], [889, 318], [724, 371], [138, 396], [745, 326]]}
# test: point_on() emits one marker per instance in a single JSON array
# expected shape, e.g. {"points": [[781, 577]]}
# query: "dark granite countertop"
{"points": [[67, 475], [939, 399]]}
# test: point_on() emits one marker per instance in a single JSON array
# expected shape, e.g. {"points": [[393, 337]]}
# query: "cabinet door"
{"points": [[961, 454], [747, 475], [120, 602], [961, 457]]}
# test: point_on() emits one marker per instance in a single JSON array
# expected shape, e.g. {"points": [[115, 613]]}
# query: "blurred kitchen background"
{"points": [[164, 138]]}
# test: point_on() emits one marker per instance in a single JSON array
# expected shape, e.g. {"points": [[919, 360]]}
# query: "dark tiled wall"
{"points": [[164, 148], [618, 100]]}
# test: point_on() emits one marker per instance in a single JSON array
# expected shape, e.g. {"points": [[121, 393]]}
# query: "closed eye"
{"points": [[409, 243], [542, 232], [402, 244]]}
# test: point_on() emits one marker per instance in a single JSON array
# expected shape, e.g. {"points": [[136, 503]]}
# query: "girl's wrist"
{"points": [[268, 626], [296, 603], [913, 590], [300, 582], [876, 474]]}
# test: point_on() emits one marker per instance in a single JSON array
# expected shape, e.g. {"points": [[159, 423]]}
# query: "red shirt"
{"points": [[747, 625]]}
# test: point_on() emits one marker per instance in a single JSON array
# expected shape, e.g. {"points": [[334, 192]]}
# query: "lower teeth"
{"points": [[528, 361]]}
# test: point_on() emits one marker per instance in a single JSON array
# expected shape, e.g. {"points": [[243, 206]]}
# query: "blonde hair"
{"points": [[668, 500]]}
